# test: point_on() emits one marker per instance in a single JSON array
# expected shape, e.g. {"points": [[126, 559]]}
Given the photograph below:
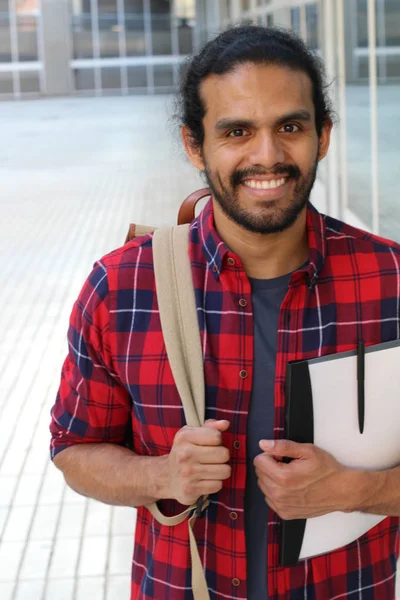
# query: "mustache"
{"points": [[290, 171]]}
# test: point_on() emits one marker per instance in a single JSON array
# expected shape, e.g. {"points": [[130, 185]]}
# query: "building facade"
{"points": [[100, 47], [95, 47]]}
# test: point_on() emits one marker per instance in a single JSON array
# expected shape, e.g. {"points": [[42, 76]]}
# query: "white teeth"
{"points": [[265, 185]]}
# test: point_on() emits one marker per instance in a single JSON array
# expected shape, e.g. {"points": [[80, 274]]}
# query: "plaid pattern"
{"points": [[117, 367]]}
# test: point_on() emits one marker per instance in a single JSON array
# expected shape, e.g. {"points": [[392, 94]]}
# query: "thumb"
{"points": [[218, 425], [283, 448]]}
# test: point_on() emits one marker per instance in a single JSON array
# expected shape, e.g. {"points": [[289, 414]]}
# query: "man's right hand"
{"points": [[197, 463]]}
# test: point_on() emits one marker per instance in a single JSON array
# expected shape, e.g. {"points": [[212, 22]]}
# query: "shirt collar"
{"points": [[215, 250]]}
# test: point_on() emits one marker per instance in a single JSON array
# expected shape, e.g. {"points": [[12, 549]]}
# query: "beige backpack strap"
{"points": [[178, 314]]}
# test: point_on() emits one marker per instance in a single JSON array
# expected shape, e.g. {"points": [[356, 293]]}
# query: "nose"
{"points": [[266, 150]]}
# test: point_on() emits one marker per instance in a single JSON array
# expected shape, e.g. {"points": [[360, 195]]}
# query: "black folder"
{"points": [[299, 427]]}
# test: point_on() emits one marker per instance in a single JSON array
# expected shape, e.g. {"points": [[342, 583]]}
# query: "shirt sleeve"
{"points": [[92, 405]]}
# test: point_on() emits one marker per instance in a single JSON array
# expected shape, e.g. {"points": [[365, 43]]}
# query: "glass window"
{"points": [[362, 23], [270, 20], [137, 77], [163, 76], [388, 23], [185, 36], [391, 22], [6, 83], [82, 39], [111, 78], [5, 36], [161, 26], [245, 5], [134, 28], [27, 38], [295, 13], [29, 82], [312, 22], [84, 79], [109, 28], [358, 134]]}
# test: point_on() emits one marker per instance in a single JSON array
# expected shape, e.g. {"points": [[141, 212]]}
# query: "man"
{"points": [[275, 281]]}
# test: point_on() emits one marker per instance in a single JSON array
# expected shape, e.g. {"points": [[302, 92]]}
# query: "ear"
{"points": [[193, 151], [325, 139]]}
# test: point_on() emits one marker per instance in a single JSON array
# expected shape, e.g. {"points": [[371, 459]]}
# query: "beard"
{"points": [[262, 221]]}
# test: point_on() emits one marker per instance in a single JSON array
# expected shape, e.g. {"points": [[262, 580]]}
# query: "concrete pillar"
{"points": [[56, 47]]}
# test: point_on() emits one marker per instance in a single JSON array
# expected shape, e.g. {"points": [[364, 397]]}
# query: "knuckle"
{"points": [[225, 455], [181, 435], [227, 471], [216, 437], [285, 444], [183, 455], [283, 477], [187, 470], [218, 486]]}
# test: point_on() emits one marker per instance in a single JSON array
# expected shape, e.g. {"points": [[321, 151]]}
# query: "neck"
{"points": [[265, 256]]}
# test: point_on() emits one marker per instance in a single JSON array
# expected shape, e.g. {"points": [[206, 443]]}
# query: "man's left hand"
{"points": [[312, 484]]}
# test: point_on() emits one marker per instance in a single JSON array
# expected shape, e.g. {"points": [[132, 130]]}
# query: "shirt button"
{"points": [[243, 374], [233, 516], [236, 582], [242, 302], [236, 445], [231, 261]]}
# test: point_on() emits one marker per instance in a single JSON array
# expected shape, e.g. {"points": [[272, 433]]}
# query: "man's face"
{"points": [[261, 148]]}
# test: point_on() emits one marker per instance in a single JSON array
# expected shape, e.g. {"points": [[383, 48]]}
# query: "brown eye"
{"points": [[290, 128], [236, 133]]}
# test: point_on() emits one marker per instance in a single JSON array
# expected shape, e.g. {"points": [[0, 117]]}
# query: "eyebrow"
{"points": [[299, 115]]}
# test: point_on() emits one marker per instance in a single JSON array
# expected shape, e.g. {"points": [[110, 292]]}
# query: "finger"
{"points": [[211, 455], [267, 465], [212, 472], [207, 487], [285, 448], [218, 425], [268, 468], [202, 436]]}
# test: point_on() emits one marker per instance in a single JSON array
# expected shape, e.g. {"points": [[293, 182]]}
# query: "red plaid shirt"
{"points": [[117, 369]]}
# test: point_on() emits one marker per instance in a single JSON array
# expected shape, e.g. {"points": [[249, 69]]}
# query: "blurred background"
{"points": [[88, 144]]}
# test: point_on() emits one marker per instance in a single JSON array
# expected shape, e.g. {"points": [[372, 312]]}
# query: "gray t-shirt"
{"points": [[267, 295]]}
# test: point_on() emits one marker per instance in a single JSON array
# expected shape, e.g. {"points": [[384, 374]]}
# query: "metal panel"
{"points": [[374, 112]]}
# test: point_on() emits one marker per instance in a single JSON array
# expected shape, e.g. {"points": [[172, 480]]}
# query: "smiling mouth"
{"points": [[271, 184]]}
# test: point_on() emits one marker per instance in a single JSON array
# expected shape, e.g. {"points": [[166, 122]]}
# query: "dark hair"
{"points": [[244, 44]]}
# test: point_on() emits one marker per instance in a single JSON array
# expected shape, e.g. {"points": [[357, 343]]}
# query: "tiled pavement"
{"points": [[73, 173]]}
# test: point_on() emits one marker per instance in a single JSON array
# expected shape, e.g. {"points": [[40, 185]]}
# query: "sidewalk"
{"points": [[74, 174]]}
